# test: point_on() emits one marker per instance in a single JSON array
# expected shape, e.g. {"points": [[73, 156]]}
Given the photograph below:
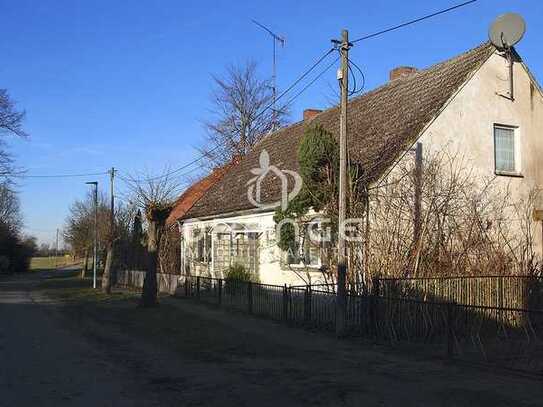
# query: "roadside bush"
{"points": [[15, 253]]}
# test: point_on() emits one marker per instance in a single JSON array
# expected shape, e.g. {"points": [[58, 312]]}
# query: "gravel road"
{"points": [[56, 355]]}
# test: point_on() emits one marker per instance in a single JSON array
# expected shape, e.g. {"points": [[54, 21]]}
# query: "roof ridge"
{"points": [[384, 86], [382, 122]]}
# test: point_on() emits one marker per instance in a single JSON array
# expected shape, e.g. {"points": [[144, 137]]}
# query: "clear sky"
{"points": [[127, 83]]}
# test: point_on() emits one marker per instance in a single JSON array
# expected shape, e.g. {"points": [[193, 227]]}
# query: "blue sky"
{"points": [[127, 83]]}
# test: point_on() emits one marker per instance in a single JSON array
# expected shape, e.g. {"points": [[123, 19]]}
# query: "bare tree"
{"points": [[469, 224], [10, 213], [155, 195], [11, 122], [116, 239], [242, 114], [79, 228]]}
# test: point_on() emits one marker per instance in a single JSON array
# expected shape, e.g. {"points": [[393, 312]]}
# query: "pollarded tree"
{"points": [[155, 195]]}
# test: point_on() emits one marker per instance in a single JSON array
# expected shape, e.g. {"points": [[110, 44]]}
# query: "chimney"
{"points": [[310, 114], [402, 72]]}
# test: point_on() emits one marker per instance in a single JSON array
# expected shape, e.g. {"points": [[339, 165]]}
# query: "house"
{"points": [[460, 105]]}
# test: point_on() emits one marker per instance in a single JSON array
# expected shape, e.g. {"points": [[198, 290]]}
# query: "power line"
{"points": [[405, 24], [293, 85], [356, 89], [59, 175], [196, 160], [312, 81], [129, 179]]}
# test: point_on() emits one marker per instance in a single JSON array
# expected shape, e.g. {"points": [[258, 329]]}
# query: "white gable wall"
{"points": [[465, 126]]}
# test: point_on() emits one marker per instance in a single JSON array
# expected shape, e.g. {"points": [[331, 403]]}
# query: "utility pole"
{"points": [[95, 254], [109, 278], [343, 77], [56, 252], [112, 210]]}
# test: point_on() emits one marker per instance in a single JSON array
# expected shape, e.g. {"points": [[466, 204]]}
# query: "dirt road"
{"points": [[187, 354]]}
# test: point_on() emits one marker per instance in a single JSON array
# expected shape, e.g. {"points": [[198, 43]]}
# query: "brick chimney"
{"points": [[310, 113], [402, 72]]}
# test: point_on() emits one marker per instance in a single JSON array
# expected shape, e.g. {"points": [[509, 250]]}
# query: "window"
{"points": [[306, 252], [203, 245], [506, 150]]}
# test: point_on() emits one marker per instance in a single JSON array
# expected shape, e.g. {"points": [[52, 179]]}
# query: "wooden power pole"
{"points": [[108, 278], [56, 252], [112, 210], [343, 77]]}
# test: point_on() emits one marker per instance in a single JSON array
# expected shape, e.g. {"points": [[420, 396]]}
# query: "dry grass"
{"points": [[47, 263]]}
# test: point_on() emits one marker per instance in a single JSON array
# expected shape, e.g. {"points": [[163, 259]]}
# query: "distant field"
{"points": [[38, 263]]}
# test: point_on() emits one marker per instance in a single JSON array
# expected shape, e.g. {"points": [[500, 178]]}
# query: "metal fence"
{"points": [[504, 336], [524, 292]]}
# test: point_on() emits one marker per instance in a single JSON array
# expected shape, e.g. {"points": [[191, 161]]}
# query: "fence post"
{"points": [[250, 297], [219, 300], [198, 287], [500, 292], [285, 303], [376, 286], [187, 282], [307, 304], [450, 329]]}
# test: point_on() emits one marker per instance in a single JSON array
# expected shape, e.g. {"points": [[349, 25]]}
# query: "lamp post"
{"points": [[95, 255]]}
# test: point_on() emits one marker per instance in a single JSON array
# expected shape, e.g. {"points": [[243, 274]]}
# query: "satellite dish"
{"points": [[507, 30]]}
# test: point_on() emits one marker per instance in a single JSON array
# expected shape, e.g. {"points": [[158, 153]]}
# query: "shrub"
{"points": [[238, 272]]}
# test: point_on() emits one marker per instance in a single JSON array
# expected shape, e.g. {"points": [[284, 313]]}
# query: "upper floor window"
{"points": [[506, 149]]}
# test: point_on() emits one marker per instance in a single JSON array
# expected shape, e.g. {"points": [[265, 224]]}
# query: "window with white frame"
{"points": [[506, 147]]}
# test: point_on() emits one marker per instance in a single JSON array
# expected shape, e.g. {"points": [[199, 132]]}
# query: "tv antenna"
{"points": [[275, 39], [505, 32]]}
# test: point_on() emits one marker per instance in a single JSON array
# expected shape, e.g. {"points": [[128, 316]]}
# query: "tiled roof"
{"points": [[194, 193], [381, 125]]}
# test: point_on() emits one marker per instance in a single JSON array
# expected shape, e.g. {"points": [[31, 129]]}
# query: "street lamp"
{"points": [[95, 255]]}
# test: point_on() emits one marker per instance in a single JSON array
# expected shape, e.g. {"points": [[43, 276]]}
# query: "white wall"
{"points": [[465, 127], [270, 268]]}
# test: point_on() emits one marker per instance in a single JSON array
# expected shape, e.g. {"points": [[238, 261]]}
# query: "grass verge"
{"points": [[48, 263]]}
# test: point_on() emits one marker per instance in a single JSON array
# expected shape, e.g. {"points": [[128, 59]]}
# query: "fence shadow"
{"points": [[507, 337]]}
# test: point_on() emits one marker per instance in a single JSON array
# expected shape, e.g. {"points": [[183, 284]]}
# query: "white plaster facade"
{"points": [[465, 127], [271, 267]]}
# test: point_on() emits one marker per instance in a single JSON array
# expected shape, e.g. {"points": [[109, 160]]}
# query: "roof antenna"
{"points": [[506, 31], [275, 39]]}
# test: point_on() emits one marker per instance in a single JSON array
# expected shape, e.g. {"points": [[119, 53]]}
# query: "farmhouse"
{"points": [[461, 108]]}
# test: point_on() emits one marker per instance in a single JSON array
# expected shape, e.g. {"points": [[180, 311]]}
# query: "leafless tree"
{"points": [[79, 228], [242, 114], [469, 224], [11, 122], [10, 212], [155, 196]]}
